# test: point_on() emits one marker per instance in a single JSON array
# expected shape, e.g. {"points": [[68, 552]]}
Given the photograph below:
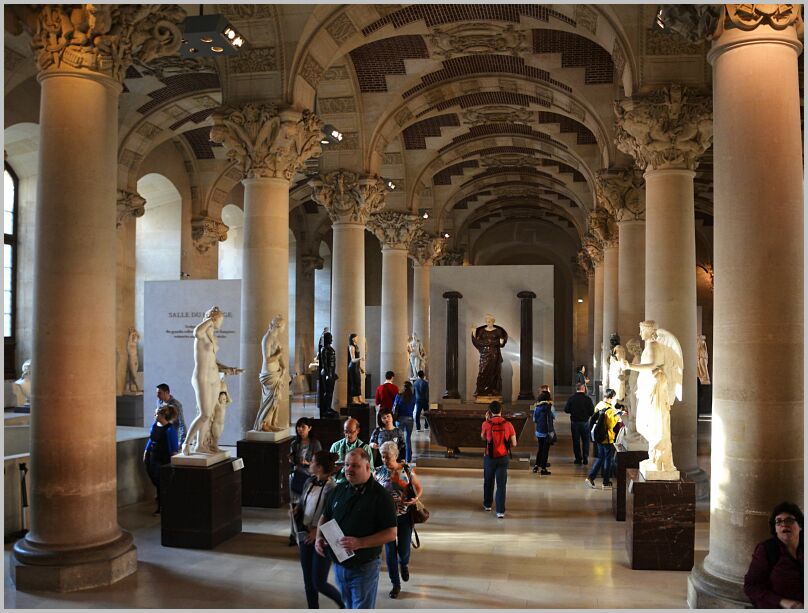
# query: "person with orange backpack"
{"points": [[500, 437]]}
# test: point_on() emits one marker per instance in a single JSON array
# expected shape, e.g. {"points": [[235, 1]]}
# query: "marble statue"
{"points": [[703, 372], [489, 341], [22, 386], [417, 355], [217, 423], [272, 377], [327, 377], [659, 385], [206, 381], [356, 371], [132, 340], [617, 371]]}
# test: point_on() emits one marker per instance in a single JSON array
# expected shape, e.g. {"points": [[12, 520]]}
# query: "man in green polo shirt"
{"points": [[345, 445], [366, 513]]}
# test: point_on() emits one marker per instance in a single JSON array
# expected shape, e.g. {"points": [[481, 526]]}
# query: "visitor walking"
{"points": [[580, 408], [403, 411], [603, 433], [500, 437], [384, 432], [345, 445], [301, 451], [421, 387], [543, 417]]}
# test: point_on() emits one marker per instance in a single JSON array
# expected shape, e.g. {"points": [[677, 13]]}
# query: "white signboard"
{"points": [[172, 309]]}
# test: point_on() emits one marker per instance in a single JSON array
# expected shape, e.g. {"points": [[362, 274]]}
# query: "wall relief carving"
{"points": [[206, 232], [342, 104], [130, 205], [341, 28], [256, 59], [311, 71], [477, 38], [497, 114], [586, 18]]}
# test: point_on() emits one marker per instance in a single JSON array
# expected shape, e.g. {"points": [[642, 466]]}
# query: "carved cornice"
{"points": [[453, 257], [669, 128], [394, 229], [310, 263], [206, 232], [426, 249], [347, 197], [267, 142], [603, 226], [699, 22], [130, 206], [100, 38], [617, 191], [593, 247]]}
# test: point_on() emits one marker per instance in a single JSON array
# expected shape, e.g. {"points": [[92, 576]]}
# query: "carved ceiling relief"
{"points": [[341, 28], [256, 59], [702, 22], [453, 257], [497, 114], [342, 104], [394, 229], [163, 67], [130, 205], [347, 197], [206, 232], [669, 128], [617, 191], [585, 264], [477, 38], [336, 73], [102, 38], [311, 71], [264, 141]]}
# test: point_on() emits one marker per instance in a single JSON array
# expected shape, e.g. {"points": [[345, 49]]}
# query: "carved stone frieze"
{"points": [[310, 263], [477, 38], [206, 232], [425, 248], [502, 160], [163, 67], [255, 59], [341, 28], [403, 116], [311, 71], [603, 227], [248, 11], [101, 38], [394, 229], [343, 104], [497, 114], [617, 191], [660, 42], [618, 59], [593, 247], [393, 157], [586, 18], [669, 128], [347, 197], [452, 257], [266, 142], [336, 73], [130, 206]]}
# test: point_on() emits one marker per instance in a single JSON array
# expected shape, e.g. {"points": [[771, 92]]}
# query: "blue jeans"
{"points": [[495, 469], [405, 423], [315, 576], [580, 439], [418, 410], [398, 551], [604, 461], [359, 584]]}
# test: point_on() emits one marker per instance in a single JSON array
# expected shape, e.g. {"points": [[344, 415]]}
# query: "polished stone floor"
{"points": [[558, 547]]}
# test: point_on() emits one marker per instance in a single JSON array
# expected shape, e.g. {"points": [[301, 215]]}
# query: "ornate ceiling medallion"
{"points": [[477, 38], [497, 114]]}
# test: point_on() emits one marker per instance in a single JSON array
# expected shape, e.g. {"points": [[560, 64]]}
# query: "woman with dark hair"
{"points": [[355, 371], [386, 431], [580, 376], [307, 514], [775, 576], [162, 444], [543, 417], [404, 411], [301, 452]]}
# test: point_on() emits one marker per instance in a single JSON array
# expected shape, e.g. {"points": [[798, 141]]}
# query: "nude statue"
{"points": [[273, 377], [702, 357], [217, 424], [417, 355], [206, 382], [132, 365]]}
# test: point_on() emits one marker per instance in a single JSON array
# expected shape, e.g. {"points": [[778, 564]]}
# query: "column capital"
{"points": [[603, 226], [394, 229], [349, 197], [102, 39], [452, 295], [699, 22], [206, 232], [266, 141], [310, 263], [426, 249], [451, 257], [593, 247], [526, 295], [617, 191], [668, 128], [585, 264], [130, 206]]}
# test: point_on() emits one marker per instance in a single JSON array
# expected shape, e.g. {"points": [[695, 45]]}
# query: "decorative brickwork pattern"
{"points": [[463, 203], [439, 14], [502, 129], [567, 124], [197, 117], [484, 64], [481, 98], [415, 135], [577, 51], [522, 170], [178, 86], [372, 62], [444, 177], [199, 141]]}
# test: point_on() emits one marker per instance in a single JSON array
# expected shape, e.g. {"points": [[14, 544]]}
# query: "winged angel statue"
{"points": [[659, 385]]}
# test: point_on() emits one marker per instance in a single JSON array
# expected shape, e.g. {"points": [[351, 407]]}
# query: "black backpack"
{"points": [[597, 426]]}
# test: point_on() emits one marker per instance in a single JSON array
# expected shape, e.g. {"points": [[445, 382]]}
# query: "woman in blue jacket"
{"points": [[162, 444], [543, 417], [404, 409]]}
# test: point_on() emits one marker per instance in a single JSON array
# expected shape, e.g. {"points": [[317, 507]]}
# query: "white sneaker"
{"points": [[500, 515], [589, 483], [486, 508]]}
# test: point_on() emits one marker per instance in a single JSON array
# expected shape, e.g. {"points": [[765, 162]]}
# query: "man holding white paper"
{"points": [[366, 515]]}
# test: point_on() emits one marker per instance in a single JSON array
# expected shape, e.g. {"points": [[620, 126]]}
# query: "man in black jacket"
{"points": [[580, 408]]}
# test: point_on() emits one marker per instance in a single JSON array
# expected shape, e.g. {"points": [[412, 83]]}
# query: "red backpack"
{"points": [[499, 445]]}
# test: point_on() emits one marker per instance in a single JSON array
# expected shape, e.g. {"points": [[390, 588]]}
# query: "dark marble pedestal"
{"points": [[365, 415], [129, 411], [328, 431], [266, 472], [26, 408], [458, 425], [623, 460], [704, 399], [201, 506], [661, 523]]}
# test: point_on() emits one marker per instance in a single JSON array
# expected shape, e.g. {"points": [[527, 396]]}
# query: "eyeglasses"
{"points": [[785, 521]]}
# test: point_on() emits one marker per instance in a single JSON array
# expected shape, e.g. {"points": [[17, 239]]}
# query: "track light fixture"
{"points": [[331, 136], [209, 36]]}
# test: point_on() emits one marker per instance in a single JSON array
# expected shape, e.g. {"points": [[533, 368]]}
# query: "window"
{"points": [[10, 184]]}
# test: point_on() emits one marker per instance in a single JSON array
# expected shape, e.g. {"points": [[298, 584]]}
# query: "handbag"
{"points": [[297, 481], [419, 514]]}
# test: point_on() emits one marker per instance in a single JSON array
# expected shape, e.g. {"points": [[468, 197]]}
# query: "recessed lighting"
{"points": [[426, 215], [445, 235], [580, 299], [217, 49], [206, 39]]}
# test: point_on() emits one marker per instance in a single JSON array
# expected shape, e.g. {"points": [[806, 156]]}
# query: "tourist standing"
{"points": [[384, 432], [500, 437], [386, 393], [301, 451], [164, 397], [543, 417], [162, 444], [421, 387], [604, 439], [580, 408]]}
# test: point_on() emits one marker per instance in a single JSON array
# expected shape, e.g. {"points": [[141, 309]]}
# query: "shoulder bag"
{"points": [[418, 512]]}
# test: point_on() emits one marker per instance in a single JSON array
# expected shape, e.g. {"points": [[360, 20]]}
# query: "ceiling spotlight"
{"points": [[390, 185], [580, 300], [445, 235], [660, 22], [209, 36], [424, 213], [331, 136]]}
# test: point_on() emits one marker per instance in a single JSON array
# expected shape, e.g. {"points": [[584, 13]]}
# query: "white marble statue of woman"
{"points": [[617, 371], [206, 382], [702, 357], [659, 385], [272, 377], [217, 423], [132, 364], [417, 355]]}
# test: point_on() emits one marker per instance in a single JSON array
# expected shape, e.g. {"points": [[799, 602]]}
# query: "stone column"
{"points": [[424, 251], [603, 226], [526, 345], [268, 145], [75, 541], [206, 234], [349, 200], [594, 248], [452, 363], [395, 231], [305, 342], [586, 272], [666, 131], [757, 455]]}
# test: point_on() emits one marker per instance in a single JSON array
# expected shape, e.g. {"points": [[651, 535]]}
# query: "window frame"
{"points": [[10, 342]]}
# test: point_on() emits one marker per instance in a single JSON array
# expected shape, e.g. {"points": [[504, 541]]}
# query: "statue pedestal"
{"points": [[487, 399], [129, 411], [365, 415], [200, 459], [201, 506], [265, 479], [328, 431], [625, 457], [260, 435], [660, 523], [650, 473]]}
